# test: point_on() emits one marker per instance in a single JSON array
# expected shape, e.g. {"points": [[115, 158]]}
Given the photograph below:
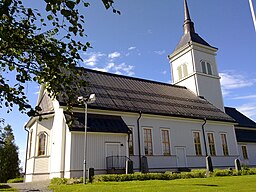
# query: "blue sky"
{"points": [[137, 43]]}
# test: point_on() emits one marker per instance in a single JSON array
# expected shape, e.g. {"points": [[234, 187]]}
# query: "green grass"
{"points": [[4, 187], [234, 183]]}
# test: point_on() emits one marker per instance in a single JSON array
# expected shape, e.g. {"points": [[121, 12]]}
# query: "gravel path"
{"points": [[32, 186]]}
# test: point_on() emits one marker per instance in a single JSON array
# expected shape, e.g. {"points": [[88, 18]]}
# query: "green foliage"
{"points": [[16, 180], [43, 48], [61, 181], [149, 176], [58, 181], [9, 160]]}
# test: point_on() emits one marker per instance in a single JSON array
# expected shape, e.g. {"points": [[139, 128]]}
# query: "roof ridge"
{"points": [[129, 77]]}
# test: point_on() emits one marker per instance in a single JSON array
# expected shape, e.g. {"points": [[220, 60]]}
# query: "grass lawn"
{"points": [[235, 183]]}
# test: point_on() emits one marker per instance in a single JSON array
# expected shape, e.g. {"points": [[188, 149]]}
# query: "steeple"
{"points": [[189, 35], [188, 24]]}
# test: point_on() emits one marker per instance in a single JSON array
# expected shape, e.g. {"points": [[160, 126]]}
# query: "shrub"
{"points": [[58, 181], [16, 180]]}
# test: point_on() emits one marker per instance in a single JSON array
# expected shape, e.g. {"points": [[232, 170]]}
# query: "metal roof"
{"points": [[98, 123], [240, 118], [122, 93], [245, 135]]}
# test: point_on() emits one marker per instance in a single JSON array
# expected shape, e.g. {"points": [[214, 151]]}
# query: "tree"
{"points": [[9, 160], [44, 48]]}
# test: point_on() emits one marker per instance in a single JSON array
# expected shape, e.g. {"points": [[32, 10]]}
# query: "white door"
{"points": [[113, 153], [181, 156]]}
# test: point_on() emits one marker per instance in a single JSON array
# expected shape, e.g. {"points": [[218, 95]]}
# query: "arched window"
{"points": [[42, 144], [30, 143], [206, 67], [182, 71]]}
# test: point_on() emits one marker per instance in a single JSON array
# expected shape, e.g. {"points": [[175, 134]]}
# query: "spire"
{"points": [[188, 24]]}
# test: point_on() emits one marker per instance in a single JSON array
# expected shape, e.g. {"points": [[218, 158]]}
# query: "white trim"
{"points": [[152, 141], [169, 135]]}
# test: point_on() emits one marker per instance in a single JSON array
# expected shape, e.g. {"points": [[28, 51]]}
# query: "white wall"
{"points": [[96, 154], [251, 152], [39, 165], [181, 135]]}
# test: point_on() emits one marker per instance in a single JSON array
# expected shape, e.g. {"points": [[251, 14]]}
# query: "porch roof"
{"points": [[98, 123]]}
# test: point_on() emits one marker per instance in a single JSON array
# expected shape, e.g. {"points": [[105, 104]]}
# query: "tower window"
{"points": [[182, 71], [206, 67]]}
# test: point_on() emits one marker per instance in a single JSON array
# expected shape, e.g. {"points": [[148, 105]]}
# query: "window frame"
{"points": [[165, 145], [206, 67], [147, 142], [131, 141], [224, 144], [245, 152], [197, 146], [182, 71], [211, 145], [30, 143], [42, 152]]}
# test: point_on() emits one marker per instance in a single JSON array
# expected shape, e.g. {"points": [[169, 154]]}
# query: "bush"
{"points": [[16, 180], [58, 181]]}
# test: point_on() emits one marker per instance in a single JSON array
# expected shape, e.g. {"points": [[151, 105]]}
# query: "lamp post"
{"points": [[85, 100]]}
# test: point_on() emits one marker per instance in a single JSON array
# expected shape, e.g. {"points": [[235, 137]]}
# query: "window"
{"points": [[211, 144], [42, 144], [165, 142], [182, 71], [197, 143], [148, 148], [244, 151], [224, 144], [131, 150], [179, 72], [30, 143], [206, 67]]}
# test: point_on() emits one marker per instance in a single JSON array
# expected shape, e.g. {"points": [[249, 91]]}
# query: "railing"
{"points": [[116, 164]]}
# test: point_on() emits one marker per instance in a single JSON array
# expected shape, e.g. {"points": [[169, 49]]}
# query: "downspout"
{"points": [[25, 167], [138, 129], [205, 147]]}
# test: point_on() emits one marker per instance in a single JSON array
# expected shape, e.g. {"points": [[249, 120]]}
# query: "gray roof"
{"points": [[122, 93], [191, 37], [98, 123], [240, 118]]}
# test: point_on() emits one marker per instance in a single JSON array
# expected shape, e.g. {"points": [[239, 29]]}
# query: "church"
{"points": [[165, 126]]}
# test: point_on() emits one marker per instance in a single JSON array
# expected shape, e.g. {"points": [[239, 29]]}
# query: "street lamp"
{"points": [[85, 101]]}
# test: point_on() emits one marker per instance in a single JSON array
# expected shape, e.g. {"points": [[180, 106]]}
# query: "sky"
{"points": [[137, 43]]}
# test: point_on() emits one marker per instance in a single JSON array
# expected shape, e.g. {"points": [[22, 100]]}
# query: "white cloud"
{"points": [[114, 55], [93, 58], [248, 110], [164, 72], [131, 48], [246, 97], [160, 52], [230, 81], [100, 69], [124, 69]]}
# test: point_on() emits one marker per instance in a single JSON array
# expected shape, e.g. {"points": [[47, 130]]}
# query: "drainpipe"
{"points": [[205, 147], [25, 167], [138, 128]]}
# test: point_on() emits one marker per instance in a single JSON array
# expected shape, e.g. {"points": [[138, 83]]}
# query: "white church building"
{"points": [[172, 126]]}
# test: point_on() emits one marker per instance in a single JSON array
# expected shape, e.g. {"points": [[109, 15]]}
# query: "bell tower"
{"points": [[193, 64]]}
